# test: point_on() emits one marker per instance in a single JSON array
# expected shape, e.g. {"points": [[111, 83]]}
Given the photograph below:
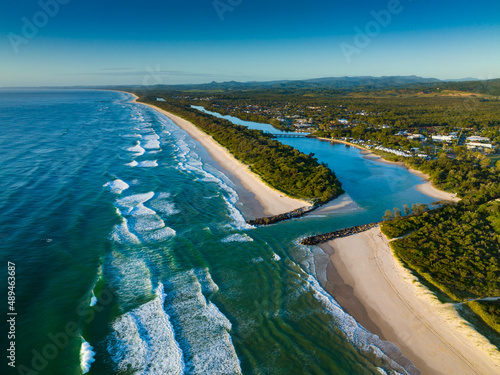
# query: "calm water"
{"points": [[132, 257]]}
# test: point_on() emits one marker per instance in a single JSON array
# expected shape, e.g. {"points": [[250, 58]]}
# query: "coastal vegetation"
{"points": [[366, 112], [282, 167], [466, 173], [456, 246]]}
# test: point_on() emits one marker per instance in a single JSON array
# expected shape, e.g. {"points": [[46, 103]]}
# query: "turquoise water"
{"points": [[132, 258]]}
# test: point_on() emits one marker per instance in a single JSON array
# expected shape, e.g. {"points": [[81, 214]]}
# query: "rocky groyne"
{"points": [[320, 238], [299, 212]]}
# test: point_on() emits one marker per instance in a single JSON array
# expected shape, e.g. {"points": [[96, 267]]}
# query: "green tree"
{"points": [[485, 163], [388, 215], [406, 209], [397, 213]]}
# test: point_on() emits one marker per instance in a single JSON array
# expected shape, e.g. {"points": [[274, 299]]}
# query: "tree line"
{"points": [[281, 166]]}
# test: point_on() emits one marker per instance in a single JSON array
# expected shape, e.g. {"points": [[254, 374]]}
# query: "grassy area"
{"points": [[489, 311], [386, 155], [494, 158]]}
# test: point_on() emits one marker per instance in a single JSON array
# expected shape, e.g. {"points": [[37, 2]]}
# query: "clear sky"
{"points": [[90, 42]]}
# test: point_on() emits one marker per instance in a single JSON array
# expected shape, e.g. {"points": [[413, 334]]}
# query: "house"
{"points": [[416, 137], [476, 138], [444, 138], [478, 144]]}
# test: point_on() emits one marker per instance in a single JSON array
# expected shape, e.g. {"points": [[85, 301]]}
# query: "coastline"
{"points": [[426, 187], [270, 201], [382, 295], [428, 333]]}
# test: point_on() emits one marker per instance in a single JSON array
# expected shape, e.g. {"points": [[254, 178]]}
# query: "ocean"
{"points": [[132, 254]]}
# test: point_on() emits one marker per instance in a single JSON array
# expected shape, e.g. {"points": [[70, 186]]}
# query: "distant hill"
{"points": [[337, 83], [340, 84], [489, 87], [461, 79]]}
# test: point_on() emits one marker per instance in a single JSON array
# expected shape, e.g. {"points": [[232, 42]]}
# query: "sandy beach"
{"points": [[272, 201], [382, 295], [428, 189]]}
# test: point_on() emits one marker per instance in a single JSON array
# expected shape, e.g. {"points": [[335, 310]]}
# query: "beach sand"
{"points": [[383, 296], [271, 201], [428, 189], [343, 203]]}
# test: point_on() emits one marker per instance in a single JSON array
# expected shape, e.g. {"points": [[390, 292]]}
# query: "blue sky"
{"points": [[77, 42]]}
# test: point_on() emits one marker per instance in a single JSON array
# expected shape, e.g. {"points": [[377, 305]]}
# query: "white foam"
{"points": [[86, 356], [137, 149], [152, 137], [276, 257], [147, 164], [131, 201], [152, 142], [237, 238], [239, 220], [163, 205], [131, 279], [122, 235], [152, 152], [143, 340], [159, 234], [205, 330], [208, 286], [133, 163], [146, 223], [116, 186], [93, 299], [355, 333], [190, 161], [141, 210], [134, 135]]}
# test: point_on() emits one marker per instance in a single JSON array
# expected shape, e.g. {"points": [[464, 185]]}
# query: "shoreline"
{"points": [[426, 187], [352, 279], [382, 295], [270, 200]]}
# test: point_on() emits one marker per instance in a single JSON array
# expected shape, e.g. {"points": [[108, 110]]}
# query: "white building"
{"points": [[476, 138], [417, 137], [444, 138], [393, 151], [478, 144]]}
